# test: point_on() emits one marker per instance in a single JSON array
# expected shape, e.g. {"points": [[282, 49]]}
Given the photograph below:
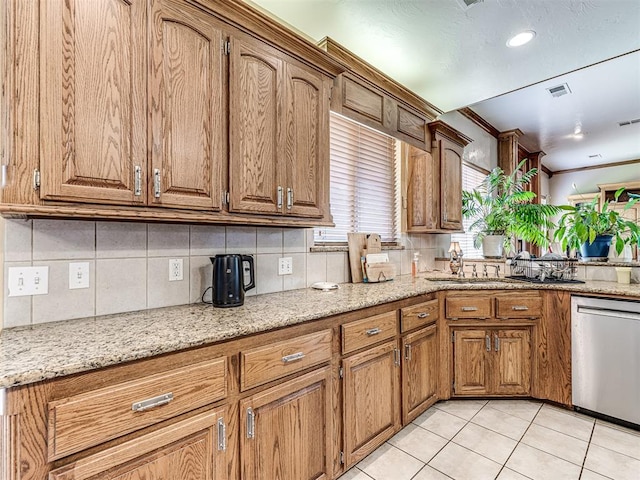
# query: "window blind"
{"points": [[471, 178], [364, 195]]}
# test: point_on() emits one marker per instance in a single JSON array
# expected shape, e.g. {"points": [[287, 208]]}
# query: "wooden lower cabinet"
{"points": [[492, 362], [419, 372], [286, 430], [192, 449], [371, 391]]}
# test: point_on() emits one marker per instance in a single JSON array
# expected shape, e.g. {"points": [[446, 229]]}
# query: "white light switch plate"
{"points": [[285, 266], [28, 281], [78, 275]]}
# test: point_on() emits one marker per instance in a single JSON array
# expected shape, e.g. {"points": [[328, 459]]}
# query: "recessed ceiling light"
{"points": [[521, 38]]}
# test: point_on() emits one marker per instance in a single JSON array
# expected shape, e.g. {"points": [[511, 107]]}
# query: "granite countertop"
{"points": [[40, 352]]}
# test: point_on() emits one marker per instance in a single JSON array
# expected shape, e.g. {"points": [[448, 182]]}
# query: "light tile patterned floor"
{"points": [[504, 440]]}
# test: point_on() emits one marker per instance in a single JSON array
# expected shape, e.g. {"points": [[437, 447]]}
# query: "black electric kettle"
{"points": [[228, 279]]}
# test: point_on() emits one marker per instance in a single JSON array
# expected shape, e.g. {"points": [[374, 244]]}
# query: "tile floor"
{"points": [[504, 440]]}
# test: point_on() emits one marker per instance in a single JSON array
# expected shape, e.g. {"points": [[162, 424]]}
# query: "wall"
{"points": [[129, 263], [483, 151], [587, 181]]}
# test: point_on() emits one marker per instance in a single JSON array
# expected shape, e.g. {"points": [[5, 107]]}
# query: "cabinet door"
{"points": [[471, 362], [450, 185], [286, 430], [188, 450], [307, 147], [512, 369], [92, 102], [371, 400], [256, 106], [423, 196], [419, 372], [187, 94]]}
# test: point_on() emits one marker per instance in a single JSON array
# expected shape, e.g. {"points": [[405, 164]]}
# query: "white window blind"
{"points": [[364, 195], [471, 178]]}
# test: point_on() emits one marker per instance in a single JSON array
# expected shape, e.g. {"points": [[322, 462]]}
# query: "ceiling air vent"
{"points": [[559, 90], [629, 122], [468, 3]]}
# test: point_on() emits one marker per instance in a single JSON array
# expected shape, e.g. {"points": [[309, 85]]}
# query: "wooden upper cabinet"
{"points": [[423, 199], [186, 99], [256, 104], [93, 100], [450, 185], [307, 146]]}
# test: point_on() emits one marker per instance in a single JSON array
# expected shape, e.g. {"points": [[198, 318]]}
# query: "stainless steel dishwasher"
{"points": [[605, 351]]}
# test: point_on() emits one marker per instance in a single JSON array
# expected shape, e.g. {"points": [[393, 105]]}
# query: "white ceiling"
{"points": [[455, 56]]}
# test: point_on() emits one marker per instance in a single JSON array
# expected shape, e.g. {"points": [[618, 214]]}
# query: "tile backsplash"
{"points": [[129, 263]]}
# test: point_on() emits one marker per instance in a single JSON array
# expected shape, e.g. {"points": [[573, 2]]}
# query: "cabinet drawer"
{"points": [[419, 315], [518, 307], [264, 364], [468, 307], [368, 331], [87, 419]]}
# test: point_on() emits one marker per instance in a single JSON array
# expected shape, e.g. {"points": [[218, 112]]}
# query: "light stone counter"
{"points": [[39, 352]]}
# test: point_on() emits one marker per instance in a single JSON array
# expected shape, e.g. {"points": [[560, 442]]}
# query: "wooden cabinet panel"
{"points": [[286, 430], [419, 315], [371, 400], [471, 364], [307, 151], [256, 104], [513, 369], [518, 306], [468, 307], [450, 185], [187, 95], [92, 100], [362, 100], [87, 419], [187, 450], [264, 364], [368, 331], [411, 124], [423, 197], [419, 372]]}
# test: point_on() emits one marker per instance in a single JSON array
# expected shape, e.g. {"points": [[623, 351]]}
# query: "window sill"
{"points": [[345, 248]]}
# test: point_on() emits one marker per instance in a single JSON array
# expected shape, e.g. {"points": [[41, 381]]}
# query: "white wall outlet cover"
{"points": [[78, 275], [176, 272], [28, 281]]}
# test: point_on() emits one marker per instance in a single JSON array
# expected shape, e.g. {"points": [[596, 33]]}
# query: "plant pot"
{"points": [[492, 246], [598, 251]]}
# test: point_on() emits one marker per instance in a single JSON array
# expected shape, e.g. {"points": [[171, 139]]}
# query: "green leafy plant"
{"points": [[501, 205], [583, 223]]}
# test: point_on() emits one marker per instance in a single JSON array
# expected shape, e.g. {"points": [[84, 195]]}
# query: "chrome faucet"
{"points": [[486, 274], [461, 261], [475, 271]]}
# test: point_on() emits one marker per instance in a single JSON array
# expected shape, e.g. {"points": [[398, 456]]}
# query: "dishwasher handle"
{"points": [[607, 312]]}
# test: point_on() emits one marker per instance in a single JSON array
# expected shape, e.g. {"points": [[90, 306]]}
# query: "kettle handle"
{"points": [[252, 282]]}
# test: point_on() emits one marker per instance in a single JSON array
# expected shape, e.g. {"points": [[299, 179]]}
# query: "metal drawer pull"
{"points": [[497, 343], [152, 402], [373, 331], [222, 435], [293, 357], [520, 308], [423, 315], [469, 309], [487, 342]]}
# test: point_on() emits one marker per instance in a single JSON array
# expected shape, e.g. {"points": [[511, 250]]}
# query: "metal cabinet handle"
{"points": [[520, 308], [422, 315], [407, 352], [137, 181], [222, 435], [373, 331], [152, 402], [289, 198], [279, 197], [469, 309], [487, 342], [156, 183], [496, 343], [293, 357], [251, 423]]}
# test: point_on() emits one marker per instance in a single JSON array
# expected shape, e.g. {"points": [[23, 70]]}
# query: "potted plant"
{"points": [[592, 232], [502, 209]]}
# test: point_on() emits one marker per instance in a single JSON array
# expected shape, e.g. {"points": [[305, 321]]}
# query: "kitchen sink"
{"points": [[474, 280]]}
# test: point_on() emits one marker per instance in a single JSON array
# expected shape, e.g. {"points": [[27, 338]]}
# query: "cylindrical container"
{"points": [[414, 265], [624, 274]]}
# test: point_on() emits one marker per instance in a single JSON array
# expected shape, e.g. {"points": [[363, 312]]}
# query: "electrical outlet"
{"points": [[175, 269], [78, 275], [285, 266], [28, 281]]}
